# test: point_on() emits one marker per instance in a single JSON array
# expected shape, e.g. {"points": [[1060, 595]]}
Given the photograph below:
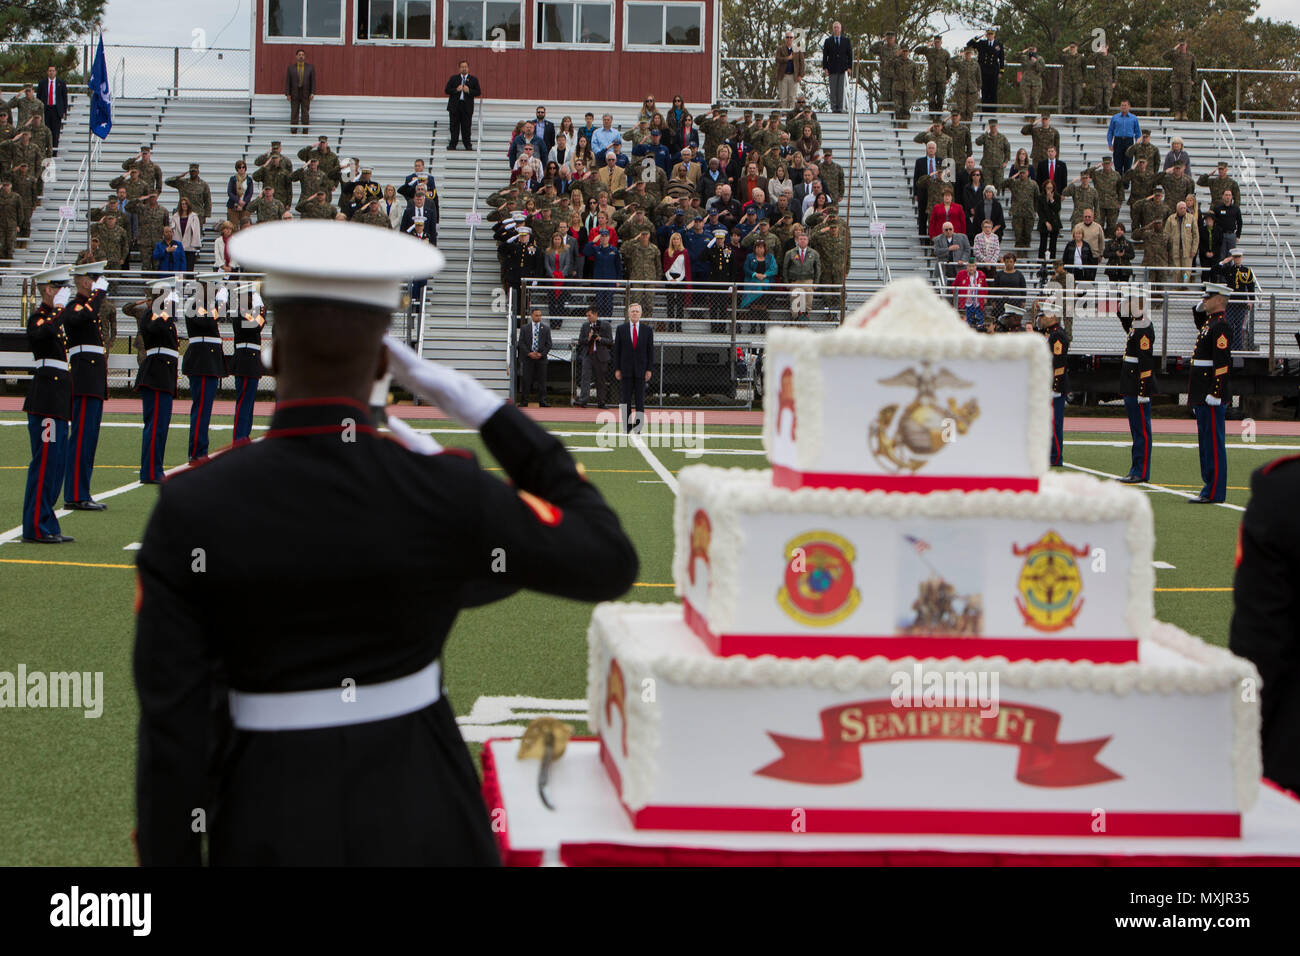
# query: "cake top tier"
{"points": [[906, 397]]}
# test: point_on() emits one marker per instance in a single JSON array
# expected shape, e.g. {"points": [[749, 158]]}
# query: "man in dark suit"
{"points": [[545, 131], [1053, 169], [462, 89], [927, 166], [299, 89], [534, 344], [594, 340], [634, 344], [53, 92], [837, 60]]}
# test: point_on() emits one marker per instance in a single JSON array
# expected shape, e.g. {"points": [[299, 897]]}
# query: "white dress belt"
{"points": [[52, 363], [337, 706], [161, 351], [77, 349], [1204, 363], [207, 339], [249, 345], [1130, 358]]}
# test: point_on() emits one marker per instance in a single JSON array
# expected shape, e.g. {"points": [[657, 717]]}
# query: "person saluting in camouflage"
{"points": [[1110, 193], [997, 153], [1104, 70], [959, 133], [936, 72], [266, 207], [1182, 79], [1032, 71], [966, 93], [935, 134], [1042, 135], [642, 262], [907, 80], [886, 51], [11, 214], [313, 181], [1071, 79], [1024, 196], [150, 220], [326, 159], [149, 170], [277, 174], [196, 191]]}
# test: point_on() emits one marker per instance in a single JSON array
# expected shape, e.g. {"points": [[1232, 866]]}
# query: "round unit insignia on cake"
{"points": [[819, 589], [1050, 585], [925, 426]]}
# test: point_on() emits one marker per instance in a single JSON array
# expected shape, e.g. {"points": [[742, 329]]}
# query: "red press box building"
{"points": [[609, 50]]}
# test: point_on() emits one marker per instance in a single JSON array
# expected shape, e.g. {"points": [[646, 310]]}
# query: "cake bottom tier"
{"points": [[1166, 746]]}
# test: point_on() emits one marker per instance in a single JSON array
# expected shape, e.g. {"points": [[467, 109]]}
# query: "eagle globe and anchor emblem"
{"points": [[906, 441]]}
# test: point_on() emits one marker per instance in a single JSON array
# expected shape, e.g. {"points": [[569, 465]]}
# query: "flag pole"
{"points": [[90, 140]]}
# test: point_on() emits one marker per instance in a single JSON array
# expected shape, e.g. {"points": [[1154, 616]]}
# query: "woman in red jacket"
{"points": [[677, 270], [946, 211]]}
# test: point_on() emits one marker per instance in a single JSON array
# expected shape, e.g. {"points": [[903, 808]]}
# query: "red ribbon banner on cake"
{"points": [[836, 756]]}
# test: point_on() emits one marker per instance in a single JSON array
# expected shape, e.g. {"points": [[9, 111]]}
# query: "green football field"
{"points": [[66, 790]]}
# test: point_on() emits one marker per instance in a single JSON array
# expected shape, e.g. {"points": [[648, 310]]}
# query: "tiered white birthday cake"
{"points": [[908, 574]]}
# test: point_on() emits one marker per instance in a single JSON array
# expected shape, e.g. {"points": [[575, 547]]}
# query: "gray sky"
{"points": [[226, 22]]}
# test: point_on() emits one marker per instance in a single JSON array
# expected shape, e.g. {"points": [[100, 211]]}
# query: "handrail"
{"points": [[1207, 93], [64, 228], [478, 166]]}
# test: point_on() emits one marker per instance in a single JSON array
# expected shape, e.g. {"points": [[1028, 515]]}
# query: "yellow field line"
{"points": [[66, 564]]}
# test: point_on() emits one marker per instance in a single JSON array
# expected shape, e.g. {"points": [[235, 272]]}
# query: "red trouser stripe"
{"points": [[81, 435], [1214, 443], [1146, 443], [153, 436], [197, 410], [40, 485]]}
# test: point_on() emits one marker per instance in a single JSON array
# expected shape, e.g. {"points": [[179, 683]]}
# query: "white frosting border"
{"points": [[1220, 670], [728, 493]]}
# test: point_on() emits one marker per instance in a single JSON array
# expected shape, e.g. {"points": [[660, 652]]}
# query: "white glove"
{"points": [[62, 296], [101, 284], [457, 394], [173, 298], [222, 296], [1211, 400], [1143, 400], [257, 302], [412, 440]]}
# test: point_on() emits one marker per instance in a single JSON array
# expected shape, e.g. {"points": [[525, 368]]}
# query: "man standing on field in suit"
{"points": [[633, 361]]}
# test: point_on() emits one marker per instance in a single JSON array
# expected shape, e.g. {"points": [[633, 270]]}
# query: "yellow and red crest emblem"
{"points": [[1050, 584], [701, 533], [819, 586], [1221, 342]]}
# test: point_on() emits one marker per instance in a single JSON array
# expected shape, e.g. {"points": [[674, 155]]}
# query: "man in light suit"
{"points": [[53, 92], [534, 344], [612, 177], [461, 90], [802, 268], [634, 343], [299, 89]]}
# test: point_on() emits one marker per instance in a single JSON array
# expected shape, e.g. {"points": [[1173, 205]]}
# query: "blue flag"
{"points": [[101, 97]]}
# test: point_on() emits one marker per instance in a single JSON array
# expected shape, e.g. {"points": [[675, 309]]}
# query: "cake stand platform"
{"points": [[589, 827]]}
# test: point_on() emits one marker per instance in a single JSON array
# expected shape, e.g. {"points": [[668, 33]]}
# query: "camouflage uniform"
{"points": [[262, 160], [1085, 197], [1182, 81], [279, 178], [1216, 185], [11, 214], [632, 225], [936, 75], [942, 141], [7, 134], [1152, 213], [801, 118], [966, 94], [149, 172], [887, 54], [1110, 194], [197, 192], [1178, 188], [832, 177], [327, 162], [114, 243], [317, 209], [1042, 138], [135, 188], [266, 210], [644, 264], [27, 187], [313, 181], [831, 249], [1147, 151], [28, 153], [372, 218], [1104, 67], [997, 153], [1031, 82], [1141, 184], [150, 220], [1071, 82], [907, 80], [959, 133], [41, 135], [1024, 192], [28, 106], [717, 131]]}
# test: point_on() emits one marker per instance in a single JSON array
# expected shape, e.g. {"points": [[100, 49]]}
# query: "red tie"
{"points": [[1051, 170], [634, 335]]}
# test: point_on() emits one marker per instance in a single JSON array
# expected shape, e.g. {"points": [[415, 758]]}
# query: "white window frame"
{"points": [[663, 47], [486, 41], [305, 42], [537, 19], [433, 29]]}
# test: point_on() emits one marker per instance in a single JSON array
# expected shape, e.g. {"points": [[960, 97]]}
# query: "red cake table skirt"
{"points": [[590, 827]]}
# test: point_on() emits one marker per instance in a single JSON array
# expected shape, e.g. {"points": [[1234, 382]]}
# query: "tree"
{"points": [[46, 21]]}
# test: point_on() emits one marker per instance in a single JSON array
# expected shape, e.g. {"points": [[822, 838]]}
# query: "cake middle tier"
{"points": [[1061, 573]]}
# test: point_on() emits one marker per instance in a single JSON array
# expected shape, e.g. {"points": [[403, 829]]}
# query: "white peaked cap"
{"points": [[334, 261]]}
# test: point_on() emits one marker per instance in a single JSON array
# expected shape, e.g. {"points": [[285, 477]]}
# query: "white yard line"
{"points": [[668, 479], [1150, 487]]}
